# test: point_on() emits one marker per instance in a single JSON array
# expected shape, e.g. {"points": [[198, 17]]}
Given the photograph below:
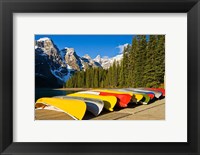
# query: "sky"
{"points": [[93, 45]]}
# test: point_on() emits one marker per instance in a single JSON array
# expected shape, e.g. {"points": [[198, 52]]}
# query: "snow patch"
{"points": [[87, 57], [69, 67], [97, 59], [66, 77], [43, 39], [59, 75]]}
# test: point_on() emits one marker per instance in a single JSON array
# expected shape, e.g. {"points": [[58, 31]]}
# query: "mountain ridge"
{"points": [[53, 67]]}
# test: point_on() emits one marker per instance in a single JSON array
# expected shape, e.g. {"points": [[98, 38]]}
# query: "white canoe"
{"points": [[157, 94], [95, 106], [89, 92]]}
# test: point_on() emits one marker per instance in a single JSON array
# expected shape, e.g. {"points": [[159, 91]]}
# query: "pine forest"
{"points": [[142, 65]]}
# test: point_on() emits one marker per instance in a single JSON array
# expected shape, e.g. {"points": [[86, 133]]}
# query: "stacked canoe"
{"points": [[76, 104]]}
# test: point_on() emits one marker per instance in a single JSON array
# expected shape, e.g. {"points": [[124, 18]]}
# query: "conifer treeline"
{"points": [[143, 65]]}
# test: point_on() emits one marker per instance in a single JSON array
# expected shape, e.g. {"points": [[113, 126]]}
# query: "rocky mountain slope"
{"points": [[50, 69], [53, 67]]}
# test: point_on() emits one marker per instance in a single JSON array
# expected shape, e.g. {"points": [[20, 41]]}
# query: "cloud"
{"points": [[121, 48]]}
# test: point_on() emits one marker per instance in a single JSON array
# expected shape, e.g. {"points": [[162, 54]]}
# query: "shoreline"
{"points": [[73, 89]]}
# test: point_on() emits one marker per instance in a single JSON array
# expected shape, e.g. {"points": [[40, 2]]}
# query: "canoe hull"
{"points": [[95, 106], [157, 89], [109, 101], [156, 94], [146, 97], [123, 99], [75, 108]]}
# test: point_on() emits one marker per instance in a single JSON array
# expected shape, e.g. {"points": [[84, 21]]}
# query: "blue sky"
{"points": [[93, 45]]}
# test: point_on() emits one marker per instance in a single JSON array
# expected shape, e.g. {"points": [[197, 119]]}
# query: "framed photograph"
{"points": [[104, 77], [109, 83]]}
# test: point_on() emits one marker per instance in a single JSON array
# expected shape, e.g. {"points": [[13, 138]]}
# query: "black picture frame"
{"points": [[8, 7]]}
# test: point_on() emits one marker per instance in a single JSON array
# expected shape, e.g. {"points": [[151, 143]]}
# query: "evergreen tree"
{"points": [[142, 65], [160, 60], [96, 78], [139, 60], [115, 74], [134, 49], [87, 78], [127, 66], [122, 71], [150, 67]]}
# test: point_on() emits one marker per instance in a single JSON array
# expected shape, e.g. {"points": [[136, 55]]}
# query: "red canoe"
{"points": [[158, 89], [151, 96], [122, 99]]}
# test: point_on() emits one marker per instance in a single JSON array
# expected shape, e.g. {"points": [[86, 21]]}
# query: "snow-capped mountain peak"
{"points": [[106, 62], [87, 57], [43, 39], [97, 59], [70, 51]]}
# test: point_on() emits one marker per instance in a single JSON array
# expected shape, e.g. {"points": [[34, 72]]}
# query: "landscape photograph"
{"points": [[99, 77]]}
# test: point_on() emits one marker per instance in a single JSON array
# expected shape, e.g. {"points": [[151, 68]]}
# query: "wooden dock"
{"points": [[42, 114], [153, 111]]}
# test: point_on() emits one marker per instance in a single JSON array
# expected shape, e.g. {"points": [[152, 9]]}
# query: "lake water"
{"points": [[44, 92]]}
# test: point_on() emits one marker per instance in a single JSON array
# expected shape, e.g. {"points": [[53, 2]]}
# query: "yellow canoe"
{"points": [[137, 96], [75, 108], [109, 101]]}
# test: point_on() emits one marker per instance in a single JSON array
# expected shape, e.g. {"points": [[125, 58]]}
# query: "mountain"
{"points": [[76, 62], [53, 67], [88, 62], [106, 62], [50, 70], [71, 59]]}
